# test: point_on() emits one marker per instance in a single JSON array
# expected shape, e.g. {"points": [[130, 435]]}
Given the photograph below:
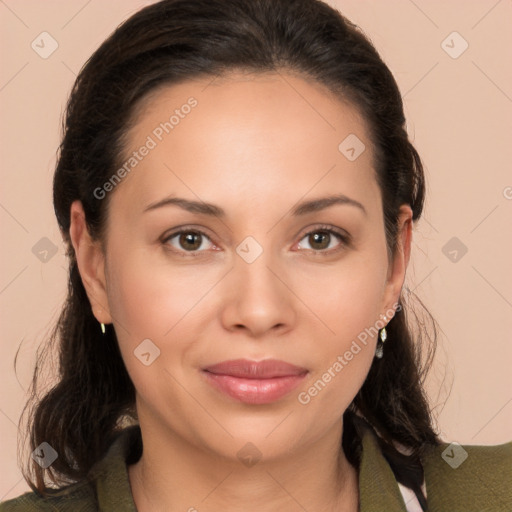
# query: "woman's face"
{"points": [[265, 268]]}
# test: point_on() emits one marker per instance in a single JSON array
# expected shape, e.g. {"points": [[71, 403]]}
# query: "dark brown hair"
{"points": [[169, 42]]}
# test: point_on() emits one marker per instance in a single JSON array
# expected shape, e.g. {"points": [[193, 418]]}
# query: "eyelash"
{"points": [[344, 238]]}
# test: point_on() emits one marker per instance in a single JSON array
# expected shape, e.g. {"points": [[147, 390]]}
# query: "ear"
{"points": [[91, 264], [398, 266]]}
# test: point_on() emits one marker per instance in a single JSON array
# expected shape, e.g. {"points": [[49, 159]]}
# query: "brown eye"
{"points": [[319, 240], [188, 241], [324, 240]]}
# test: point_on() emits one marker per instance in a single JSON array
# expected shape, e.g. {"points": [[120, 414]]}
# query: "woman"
{"points": [[236, 190]]}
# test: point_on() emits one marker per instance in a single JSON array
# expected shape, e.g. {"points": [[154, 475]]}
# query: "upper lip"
{"points": [[247, 369]]}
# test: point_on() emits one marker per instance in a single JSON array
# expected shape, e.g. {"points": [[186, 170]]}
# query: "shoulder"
{"points": [[469, 477], [105, 487], [78, 497]]}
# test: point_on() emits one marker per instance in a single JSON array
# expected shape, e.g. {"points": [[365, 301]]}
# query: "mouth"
{"points": [[254, 382]]}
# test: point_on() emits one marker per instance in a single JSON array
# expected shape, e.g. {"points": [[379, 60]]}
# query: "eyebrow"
{"points": [[303, 208], [324, 202]]}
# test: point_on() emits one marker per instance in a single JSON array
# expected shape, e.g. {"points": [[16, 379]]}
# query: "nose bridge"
{"points": [[259, 300], [253, 266]]}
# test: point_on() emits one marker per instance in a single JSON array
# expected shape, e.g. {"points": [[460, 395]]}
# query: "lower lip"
{"points": [[254, 391]]}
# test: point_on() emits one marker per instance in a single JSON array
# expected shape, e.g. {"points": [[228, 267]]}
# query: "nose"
{"points": [[258, 298]]}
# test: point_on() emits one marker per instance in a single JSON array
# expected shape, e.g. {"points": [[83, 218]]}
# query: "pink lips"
{"points": [[255, 382]]}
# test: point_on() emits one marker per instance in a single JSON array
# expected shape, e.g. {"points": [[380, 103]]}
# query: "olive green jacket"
{"points": [[465, 479]]}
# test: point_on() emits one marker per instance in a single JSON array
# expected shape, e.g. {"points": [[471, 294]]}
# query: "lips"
{"points": [[255, 382], [267, 369]]}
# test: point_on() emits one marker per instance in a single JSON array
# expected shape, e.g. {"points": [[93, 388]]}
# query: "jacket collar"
{"points": [[378, 489]]}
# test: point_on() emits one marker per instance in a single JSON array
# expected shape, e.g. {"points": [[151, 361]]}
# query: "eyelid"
{"points": [[185, 229], [343, 236]]}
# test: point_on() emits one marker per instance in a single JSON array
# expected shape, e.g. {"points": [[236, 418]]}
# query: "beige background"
{"points": [[459, 114]]}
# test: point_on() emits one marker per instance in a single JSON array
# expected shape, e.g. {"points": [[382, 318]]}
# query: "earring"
{"points": [[379, 351], [102, 325]]}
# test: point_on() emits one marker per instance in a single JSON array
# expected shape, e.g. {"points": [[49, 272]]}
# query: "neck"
{"points": [[173, 474]]}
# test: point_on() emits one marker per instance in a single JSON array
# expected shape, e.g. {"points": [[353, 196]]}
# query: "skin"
{"points": [[295, 302]]}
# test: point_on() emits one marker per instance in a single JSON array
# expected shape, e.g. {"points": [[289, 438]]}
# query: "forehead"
{"points": [[266, 135]]}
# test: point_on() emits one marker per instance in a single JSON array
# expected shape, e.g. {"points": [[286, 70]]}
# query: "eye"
{"points": [[188, 240], [324, 239], [192, 241]]}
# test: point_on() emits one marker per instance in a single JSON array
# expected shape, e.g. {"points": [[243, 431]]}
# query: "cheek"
{"points": [[148, 296], [146, 304], [348, 300], [151, 299], [346, 297]]}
